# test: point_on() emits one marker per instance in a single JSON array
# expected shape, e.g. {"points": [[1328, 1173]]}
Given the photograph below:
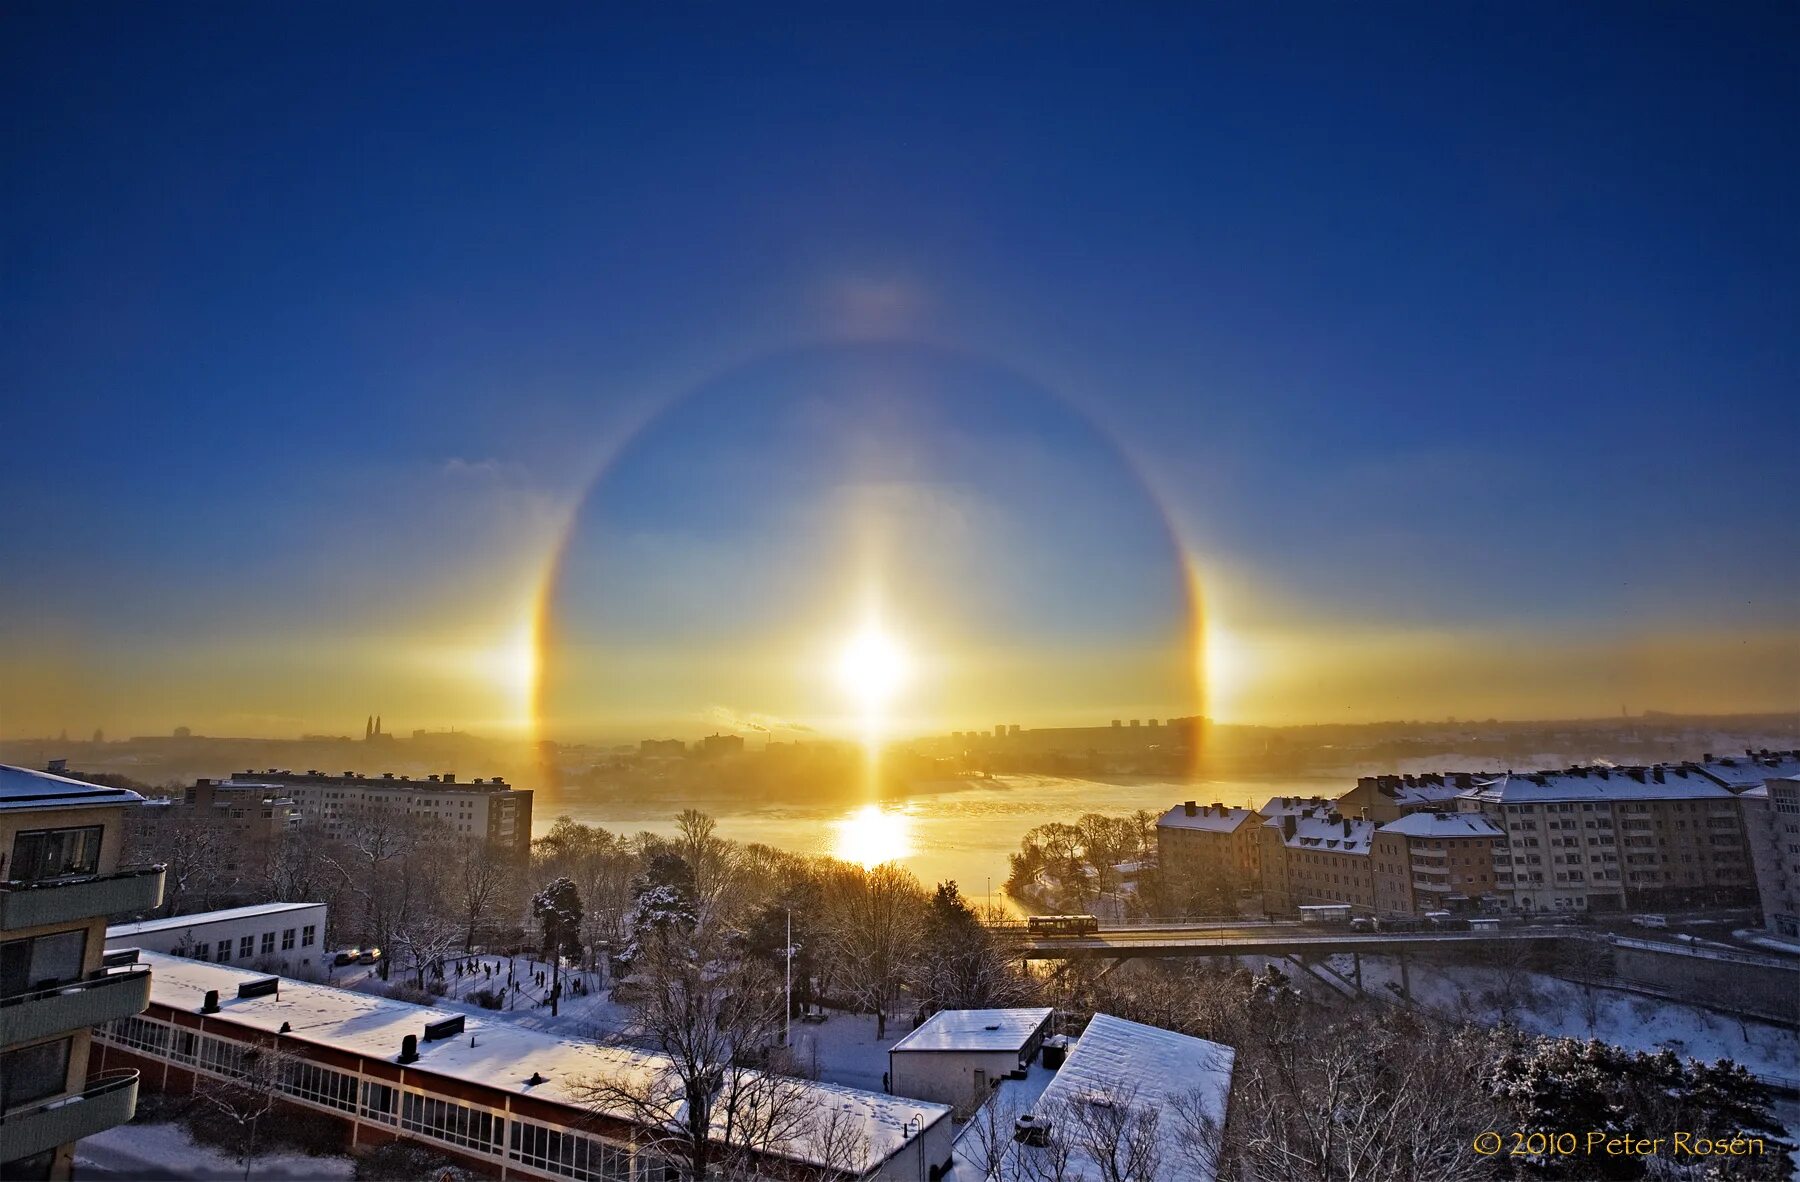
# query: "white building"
{"points": [[956, 1057], [1120, 1073], [508, 1100], [271, 937]]}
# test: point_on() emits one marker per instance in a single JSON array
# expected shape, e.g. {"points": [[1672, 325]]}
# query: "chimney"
{"points": [[1347, 823], [448, 777], [1287, 825], [1189, 807], [1219, 807]]}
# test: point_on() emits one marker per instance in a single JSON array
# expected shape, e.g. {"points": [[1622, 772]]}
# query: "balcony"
{"points": [[63, 900], [109, 1099], [94, 999]]}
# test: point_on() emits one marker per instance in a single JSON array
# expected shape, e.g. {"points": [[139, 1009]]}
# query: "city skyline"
{"points": [[603, 371]]}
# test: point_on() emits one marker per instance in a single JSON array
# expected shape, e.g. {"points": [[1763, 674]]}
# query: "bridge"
{"points": [[1253, 939]]}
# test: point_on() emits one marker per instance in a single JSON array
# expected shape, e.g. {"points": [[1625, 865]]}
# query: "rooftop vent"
{"points": [[409, 1049], [210, 1005], [447, 1028], [1031, 1130], [262, 987]]}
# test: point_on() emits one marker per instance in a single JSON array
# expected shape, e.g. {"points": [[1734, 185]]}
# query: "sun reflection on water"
{"points": [[872, 835]]}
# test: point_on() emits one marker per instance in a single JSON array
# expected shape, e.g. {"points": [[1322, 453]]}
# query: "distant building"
{"points": [[1772, 822], [662, 747], [1752, 769], [253, 819], [1316, 855], [716, 744], [957, 1057], [1436, 861], [1607, 839], [272, 937], [59, 879], [1388, 798], [1211, 839], [490, 809]]}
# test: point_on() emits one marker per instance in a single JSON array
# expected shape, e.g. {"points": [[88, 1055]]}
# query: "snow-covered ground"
{"points": [[1548, 1005], [164, 1152]]}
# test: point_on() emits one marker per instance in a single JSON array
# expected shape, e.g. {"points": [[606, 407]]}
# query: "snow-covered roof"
{"points": [[495, 1053], [24, 788], [1738, 772], [1280, 806], [976, 1030], [1444, 825], [177, 923], [1147, 1067], [1315, 830], [1420, 794], [1210, 818], [1662, 782]]}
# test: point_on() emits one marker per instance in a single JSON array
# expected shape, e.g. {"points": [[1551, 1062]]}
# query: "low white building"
{"points": [[1175, 1083], [271, 937], [956, 1057]]}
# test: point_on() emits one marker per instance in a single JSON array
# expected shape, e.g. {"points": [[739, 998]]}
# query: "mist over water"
{"points": [[964, 833]]}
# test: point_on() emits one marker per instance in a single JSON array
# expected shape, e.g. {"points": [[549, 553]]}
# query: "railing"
{"points": [[28, 903], [87, 1001], [109, 1099]]}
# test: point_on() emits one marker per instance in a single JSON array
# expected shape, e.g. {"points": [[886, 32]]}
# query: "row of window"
{"points": [[247, 945], [539, 1146]]}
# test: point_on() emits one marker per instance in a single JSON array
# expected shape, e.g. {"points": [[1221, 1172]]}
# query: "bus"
{"points": [[1064, 925], [1332, 913]]}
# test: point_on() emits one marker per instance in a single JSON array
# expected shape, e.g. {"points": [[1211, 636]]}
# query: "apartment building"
{"points": [[1207, 839], [1772, 824], [1388, 798], [59, 880], [1752, 769], [1610, 839], [1436, 861], [491, 808], [1316, 855]]}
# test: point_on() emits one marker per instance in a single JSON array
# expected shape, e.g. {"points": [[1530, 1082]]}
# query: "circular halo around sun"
{"points": [[869, 540]]}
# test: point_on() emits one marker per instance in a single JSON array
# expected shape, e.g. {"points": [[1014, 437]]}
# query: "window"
{"points": [[268, 943], [224, 950], [287, 940], [139, 1034], [246, 946], [378, 1102], [56, 853], [449, 1121], [203, 950], [321, 1085], [41, 961], [569, 1154], [34, 1073], [306, 936]]}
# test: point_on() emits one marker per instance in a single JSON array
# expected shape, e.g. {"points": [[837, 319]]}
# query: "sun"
{"points": [[872, 667]]}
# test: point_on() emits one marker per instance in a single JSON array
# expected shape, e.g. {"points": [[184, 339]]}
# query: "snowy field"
{"points": [[165, 1152]]}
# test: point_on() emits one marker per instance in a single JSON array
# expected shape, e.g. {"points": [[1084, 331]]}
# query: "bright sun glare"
{"points": [[872, 835], [872, 668]]}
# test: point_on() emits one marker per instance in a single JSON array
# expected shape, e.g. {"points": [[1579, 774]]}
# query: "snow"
{"points": [[1281, 806], [1207, 818], [1548, 1005], [1314, 830], [976, 1030], [159, 1152], [1737, 772], [491, 1051], [1599, 783], [1149, 1067], [124, 931], [1444, 825], [23, 788]]}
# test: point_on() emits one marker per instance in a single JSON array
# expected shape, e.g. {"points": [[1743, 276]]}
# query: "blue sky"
{"points": [[1428, 321]]}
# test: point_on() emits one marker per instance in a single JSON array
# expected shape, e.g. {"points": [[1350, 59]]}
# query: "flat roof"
{"points": [[1663, 782], [175, 923], [976, 1030], [1427, 824], [498, 1054], [26, 788], [1151, 1069], [1209, 818]]}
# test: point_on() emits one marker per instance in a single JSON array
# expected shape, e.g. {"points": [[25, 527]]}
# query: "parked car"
{"points": [[344, 956], [369, 956], [1650, 921]]}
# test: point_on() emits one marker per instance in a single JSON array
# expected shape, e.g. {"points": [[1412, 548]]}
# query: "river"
{"points": [[961, 832]]}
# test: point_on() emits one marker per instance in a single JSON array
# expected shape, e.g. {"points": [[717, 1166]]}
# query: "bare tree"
{"points": [[483, 876], [709, 1014], [873, 927], [1111, 1129], [249, 1094]]}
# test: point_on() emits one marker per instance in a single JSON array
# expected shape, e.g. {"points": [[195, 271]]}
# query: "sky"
{"points": [[1450, 347]]}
